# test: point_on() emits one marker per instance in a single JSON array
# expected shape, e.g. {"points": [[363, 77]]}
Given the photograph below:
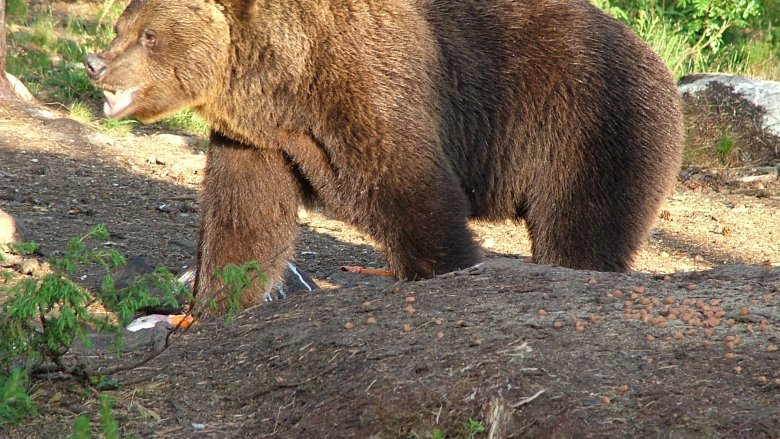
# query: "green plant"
{"points": [[81, 112], [15, 404], [187, 121], [108, 422], [725, 147], [22, 248], [473, 428], [236, 278], [80, 428], [42, 33], [118, 127], [16, 10], [688, 34], [71, 83], [43, 317]]}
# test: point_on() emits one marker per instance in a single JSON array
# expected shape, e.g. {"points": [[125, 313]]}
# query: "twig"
{"points": [[527, 400]]}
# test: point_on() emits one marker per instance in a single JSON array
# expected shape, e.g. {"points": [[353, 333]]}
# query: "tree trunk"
{"points": [[5, 86]]}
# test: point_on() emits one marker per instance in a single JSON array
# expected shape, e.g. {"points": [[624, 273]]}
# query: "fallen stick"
{"points": [[370, 271]]}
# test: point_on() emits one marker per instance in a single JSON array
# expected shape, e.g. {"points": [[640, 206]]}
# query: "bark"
{"points": [[5, 86]]}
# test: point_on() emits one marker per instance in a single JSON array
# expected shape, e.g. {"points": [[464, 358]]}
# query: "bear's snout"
{"points": [[96, 68]]}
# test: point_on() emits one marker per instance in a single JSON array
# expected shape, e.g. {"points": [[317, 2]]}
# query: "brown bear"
{"points": [[406, 118]]}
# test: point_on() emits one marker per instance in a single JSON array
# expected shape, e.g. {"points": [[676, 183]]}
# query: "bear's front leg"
{"points": [[249, 205]]}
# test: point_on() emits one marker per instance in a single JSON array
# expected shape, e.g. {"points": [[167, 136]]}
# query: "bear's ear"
{"points": [[135, 5]]}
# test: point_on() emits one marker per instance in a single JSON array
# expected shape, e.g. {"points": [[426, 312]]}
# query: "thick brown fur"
{"points": [[407, 117]]}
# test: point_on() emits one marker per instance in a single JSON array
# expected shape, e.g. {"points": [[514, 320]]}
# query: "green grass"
{"points": [[16, 10], [81, 112], [186, 121], [724, 148], [753, 51]]}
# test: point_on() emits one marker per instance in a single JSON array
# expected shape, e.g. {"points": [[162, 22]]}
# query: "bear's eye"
{"points": [[149, 39]]}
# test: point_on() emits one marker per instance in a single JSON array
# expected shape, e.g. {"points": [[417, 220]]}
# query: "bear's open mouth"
{"points": [[118, 101]]}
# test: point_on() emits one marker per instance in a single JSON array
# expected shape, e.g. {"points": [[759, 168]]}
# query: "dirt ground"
{"points": [[679, 351]]}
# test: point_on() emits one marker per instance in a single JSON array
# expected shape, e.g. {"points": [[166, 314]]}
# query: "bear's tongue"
{"points": [[118, 101]]}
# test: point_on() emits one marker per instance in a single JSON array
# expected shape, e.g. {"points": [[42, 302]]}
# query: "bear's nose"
{"points": [[95, 66]]}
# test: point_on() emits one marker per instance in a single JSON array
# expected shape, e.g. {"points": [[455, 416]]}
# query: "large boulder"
{"points": [[731, 120]]}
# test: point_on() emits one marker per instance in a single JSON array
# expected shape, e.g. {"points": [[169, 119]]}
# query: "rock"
{"points": [[10, 229], [177, 140], [28, 267], [19, 89], [738, 118]]}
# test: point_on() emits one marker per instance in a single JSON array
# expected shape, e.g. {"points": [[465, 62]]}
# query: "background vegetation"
{"points": [[47, 40], [693, 36]]}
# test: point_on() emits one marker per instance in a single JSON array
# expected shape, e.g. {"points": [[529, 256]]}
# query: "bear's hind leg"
{"points": [[249, 206], [586, 238]]}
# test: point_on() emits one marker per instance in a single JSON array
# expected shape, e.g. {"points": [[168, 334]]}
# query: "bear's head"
{"points": [[167, 55]]}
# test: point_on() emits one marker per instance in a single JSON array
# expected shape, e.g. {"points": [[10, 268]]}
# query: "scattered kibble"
{"points": [[557, 324], [623, 388], [761, 379], [592, 280], [407, 327], [439, 334], [729, 355], [460, 322], [366, 304], [349, 325], [410, 310], [669, 300], [605, 400], [410, 299], [541, 313], [708, 332], [731, 322], [650, 338], [617, 293], [667, 278], [771, 348], [438, 321], [678, 335], [767, 298], [691, 287], [371, 320], [738, 369], [744, 311], [639, 290]]}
